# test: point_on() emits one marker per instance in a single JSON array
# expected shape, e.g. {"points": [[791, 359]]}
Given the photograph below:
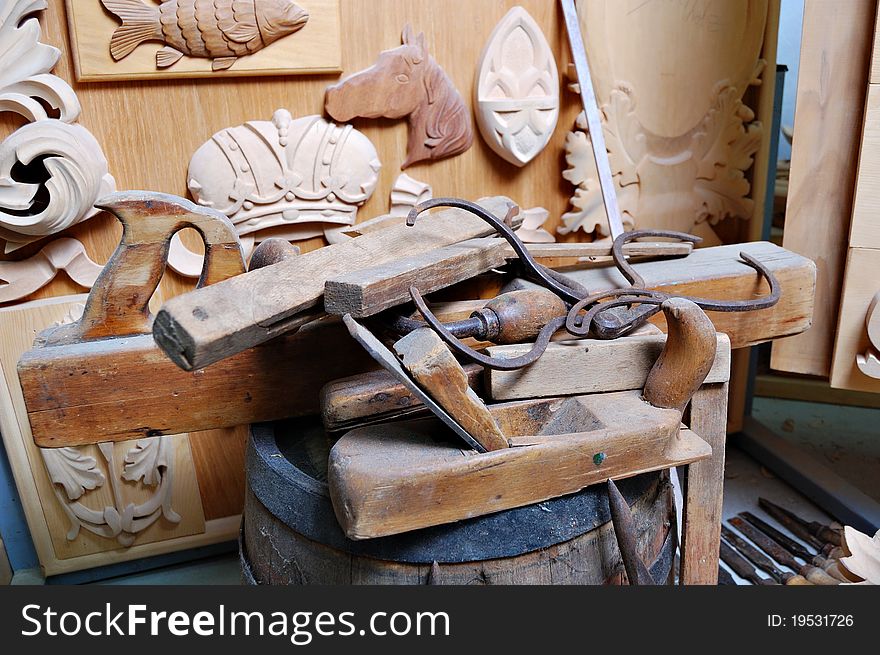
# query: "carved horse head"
{"points": [[407, 82]]}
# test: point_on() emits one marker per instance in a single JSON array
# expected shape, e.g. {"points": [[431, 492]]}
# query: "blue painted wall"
{"points": [[791, 21]]}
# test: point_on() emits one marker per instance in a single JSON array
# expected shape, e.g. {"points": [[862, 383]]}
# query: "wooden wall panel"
{"points": [[833, 76], [314, 48], [41, 500], [865, 230]]}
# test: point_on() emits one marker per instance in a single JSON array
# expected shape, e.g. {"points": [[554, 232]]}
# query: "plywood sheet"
{"points": [[316, 48], [865, 230]]}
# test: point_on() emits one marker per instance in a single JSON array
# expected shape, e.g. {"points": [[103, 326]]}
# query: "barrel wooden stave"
{"points": [[273, 553]]}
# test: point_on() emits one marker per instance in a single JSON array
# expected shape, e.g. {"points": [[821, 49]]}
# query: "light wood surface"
{"points": [[46, 517], [589, 366], [832, 82], [314, 48], [865, 229], [860, 287]]}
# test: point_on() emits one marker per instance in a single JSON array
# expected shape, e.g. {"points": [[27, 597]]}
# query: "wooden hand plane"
{"points": [[393, 478], [104, 379]]}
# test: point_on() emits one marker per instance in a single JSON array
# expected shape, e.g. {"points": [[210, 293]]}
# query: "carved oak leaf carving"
{"points": [[25, 64], [146, 461], [587, 200], [673, 182], [75, 471]]}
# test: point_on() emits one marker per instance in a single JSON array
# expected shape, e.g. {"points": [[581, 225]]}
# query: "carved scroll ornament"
{"points": [[51, 171], [76, 175], [869, 362], [26, 87]]}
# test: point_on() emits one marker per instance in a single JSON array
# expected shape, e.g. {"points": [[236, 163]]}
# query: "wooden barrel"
{"points": [[290, 534]]}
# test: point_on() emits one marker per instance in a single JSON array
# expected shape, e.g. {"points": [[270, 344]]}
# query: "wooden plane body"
{"points": [[388, 479]]}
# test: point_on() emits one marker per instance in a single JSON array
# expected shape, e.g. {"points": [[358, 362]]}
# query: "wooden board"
{"points": [[704, 492], [119, 388], [719, 273], [316, 48], [47, 521], [833, 76], [865, 229], [860, 287], [370, 291], [589, 366]]}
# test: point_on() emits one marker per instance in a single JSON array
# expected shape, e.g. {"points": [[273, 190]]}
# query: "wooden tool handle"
{"points": [[519, 315], [118, 302], [687, 356], [272, 251]]}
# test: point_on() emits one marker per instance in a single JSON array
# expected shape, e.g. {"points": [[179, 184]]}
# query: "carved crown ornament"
{"points": [[66, 161], [291, 176]]}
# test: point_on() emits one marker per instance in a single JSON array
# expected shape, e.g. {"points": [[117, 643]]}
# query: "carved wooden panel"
{"points": [[679, 136], [131, 39], [856, 364], [96, 504], [517, 89], [407, 82]]}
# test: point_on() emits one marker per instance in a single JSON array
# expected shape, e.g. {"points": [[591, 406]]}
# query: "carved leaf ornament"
{"points": [[679, 137]]}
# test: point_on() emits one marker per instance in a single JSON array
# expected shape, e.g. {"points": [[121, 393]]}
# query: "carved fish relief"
{"points": [[222, 30], [517, 89]]}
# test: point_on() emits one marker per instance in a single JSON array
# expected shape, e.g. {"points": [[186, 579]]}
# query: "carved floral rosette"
{"points": [[290, 176]]}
